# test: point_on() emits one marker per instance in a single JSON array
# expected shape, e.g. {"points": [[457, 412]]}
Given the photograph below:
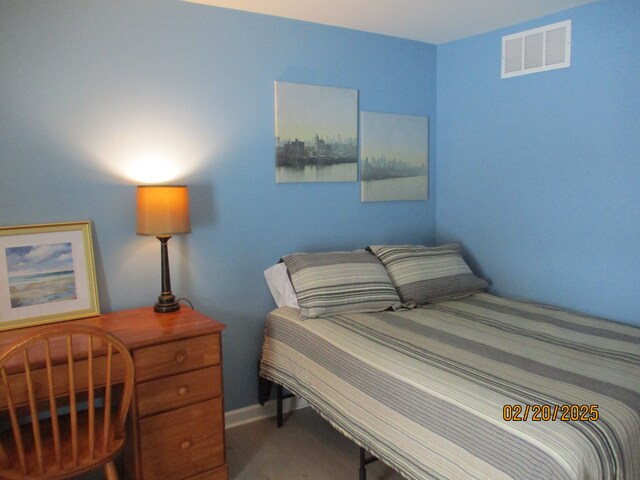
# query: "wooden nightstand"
{"points": [[175, 429], [177, 415]]}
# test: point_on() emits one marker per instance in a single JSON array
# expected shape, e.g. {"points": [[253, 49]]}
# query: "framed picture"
{"points": [[47, 274], [316, 133], [394, 157]]}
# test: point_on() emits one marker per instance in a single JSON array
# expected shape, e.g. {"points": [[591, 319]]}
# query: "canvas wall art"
{"points": [[394, 157], [47, 274], [316, 133]]}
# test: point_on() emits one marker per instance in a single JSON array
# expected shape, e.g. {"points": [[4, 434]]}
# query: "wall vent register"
{"points": [[537, 50]]}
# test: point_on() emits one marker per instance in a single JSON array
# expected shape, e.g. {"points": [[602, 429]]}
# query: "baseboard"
{"points": [[253, 413]]}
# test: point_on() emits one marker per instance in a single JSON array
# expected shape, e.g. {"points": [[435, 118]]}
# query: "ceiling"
{"points": [[431, 21]]}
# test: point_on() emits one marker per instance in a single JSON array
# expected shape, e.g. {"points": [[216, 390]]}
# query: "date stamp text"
{"points": [[550, 413]]}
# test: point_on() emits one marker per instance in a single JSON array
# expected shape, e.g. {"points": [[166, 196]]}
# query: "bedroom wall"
{"points": [[91, 89], [538, 176]]}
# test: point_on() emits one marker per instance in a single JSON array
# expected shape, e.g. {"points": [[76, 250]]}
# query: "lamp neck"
{"points": [[166, 301]]}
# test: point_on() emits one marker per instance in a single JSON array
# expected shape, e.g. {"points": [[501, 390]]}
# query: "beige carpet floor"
{"points": [[305, 448]]}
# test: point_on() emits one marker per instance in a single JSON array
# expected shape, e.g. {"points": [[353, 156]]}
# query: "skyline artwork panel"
{"points": [[394, 157], [316, 133]]}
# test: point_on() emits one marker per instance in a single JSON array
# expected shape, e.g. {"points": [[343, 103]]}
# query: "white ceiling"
{"points": [[432, 21]]}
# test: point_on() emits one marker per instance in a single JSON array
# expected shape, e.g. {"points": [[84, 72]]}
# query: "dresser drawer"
{"points": [[178, 390], [176, 357], [184, 442]]}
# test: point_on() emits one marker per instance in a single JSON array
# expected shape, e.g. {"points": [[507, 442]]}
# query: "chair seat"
{"points": [[85, 463]]}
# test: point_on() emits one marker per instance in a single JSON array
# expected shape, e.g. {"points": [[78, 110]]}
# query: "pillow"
{"points": [[280, 286], [428, 274], [340, 282]]}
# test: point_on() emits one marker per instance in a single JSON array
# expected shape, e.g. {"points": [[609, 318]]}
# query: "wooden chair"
{"points": [[65, 392]]}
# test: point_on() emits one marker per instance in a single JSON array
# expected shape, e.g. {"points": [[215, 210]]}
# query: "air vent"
{"points": [[537, 50]]}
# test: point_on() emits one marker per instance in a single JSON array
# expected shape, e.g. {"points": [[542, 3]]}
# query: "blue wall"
{"points": [[539, 176], [88, 87]]}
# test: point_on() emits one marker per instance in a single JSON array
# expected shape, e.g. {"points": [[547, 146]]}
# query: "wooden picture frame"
{"points": [[47, 274]]}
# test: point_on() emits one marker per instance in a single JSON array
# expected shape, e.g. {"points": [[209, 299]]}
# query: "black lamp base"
{"points": [[166, 303]]}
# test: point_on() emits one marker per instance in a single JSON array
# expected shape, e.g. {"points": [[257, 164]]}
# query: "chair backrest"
{"points": [[66, 391]]}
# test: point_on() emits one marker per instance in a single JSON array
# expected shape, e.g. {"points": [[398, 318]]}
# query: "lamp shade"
{"points": [[163, 210]]}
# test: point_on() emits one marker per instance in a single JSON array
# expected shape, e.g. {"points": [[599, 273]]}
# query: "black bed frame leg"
{"points": [[279, 398], [264, 388], [364, 461], [363, 470]]}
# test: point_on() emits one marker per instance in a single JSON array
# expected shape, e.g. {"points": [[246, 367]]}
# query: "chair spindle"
{"points": [[72, 402], [53, 407], [92, 404], [107, 401], [15, 424], [33, 411]]}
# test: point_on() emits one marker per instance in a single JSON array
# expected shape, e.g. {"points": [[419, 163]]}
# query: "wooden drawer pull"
{"points": [[185, 444], [181, 356], [183, 390]]}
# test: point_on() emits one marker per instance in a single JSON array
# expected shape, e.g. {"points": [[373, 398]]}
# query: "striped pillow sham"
{"points": [[340, 282], [428, 274]]}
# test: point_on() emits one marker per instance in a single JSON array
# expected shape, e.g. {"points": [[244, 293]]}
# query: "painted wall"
{"points": [[539, 176], [89, 89]]}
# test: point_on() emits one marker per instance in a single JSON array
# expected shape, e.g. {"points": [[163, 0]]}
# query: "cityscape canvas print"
{"points": [[47, 274], [394, 157], [316, 133]]}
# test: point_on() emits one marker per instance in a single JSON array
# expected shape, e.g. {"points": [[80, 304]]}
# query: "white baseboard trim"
{"points": [[253, 413]]}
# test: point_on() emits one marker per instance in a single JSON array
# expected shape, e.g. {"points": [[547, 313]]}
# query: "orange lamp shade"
{"points": [[163, 210]]}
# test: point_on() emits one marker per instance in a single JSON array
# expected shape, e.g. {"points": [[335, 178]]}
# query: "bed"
{"points": [[464, 386]]}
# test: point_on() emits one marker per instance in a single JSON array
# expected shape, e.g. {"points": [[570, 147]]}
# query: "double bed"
{"points": [[477, 387]]}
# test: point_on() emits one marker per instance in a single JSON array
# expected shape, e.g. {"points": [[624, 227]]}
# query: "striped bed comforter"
{"points": [[436, 392]]}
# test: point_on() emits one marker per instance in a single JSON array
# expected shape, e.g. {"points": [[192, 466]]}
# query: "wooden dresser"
{"points": [[175, 428]]}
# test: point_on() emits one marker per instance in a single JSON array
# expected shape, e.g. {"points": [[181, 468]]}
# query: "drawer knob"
{"points": [[183, 390], [181, 356], [185, 444]]}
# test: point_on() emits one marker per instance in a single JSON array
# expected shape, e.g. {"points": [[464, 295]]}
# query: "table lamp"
{"points": [[163, 211]]}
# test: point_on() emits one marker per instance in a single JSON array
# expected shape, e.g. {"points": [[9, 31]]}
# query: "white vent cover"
{"points": [[537, 50]]}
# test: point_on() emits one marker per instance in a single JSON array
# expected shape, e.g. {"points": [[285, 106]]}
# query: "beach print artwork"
{"points": [[40, 274], [316, 133], [394, 157]]}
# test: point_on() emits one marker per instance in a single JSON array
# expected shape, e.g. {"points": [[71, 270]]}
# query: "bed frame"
{"points": [[264, 393]]}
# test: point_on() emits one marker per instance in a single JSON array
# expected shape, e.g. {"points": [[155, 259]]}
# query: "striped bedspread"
{"points": [[477, 388]]}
